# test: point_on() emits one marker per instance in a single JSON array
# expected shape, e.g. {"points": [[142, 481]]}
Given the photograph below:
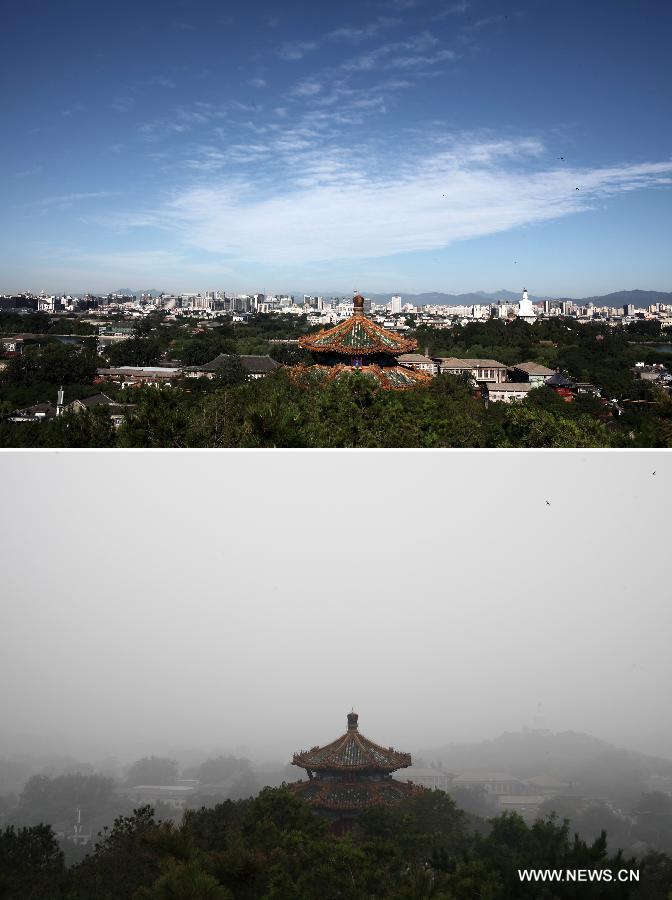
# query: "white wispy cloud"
{"points": [[294, 50], [387, 55], [333, 208], [400, 4], [484, 22], [64, 200], [454, 9], [185, 118], [160, 81], [123, 104], [355, 34], [36, 169]]}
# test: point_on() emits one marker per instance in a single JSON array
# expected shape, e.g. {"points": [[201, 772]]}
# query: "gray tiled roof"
{"points": [[532, 368], [451, 362], [510, 386], [255, 365]]}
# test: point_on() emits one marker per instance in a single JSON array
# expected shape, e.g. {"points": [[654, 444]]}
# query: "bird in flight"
{"points": [[653, 473], [561, 157], [548, 503], [577, 189]]}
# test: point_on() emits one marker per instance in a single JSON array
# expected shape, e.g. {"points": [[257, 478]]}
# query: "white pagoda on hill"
{"points": [[526, 310]]}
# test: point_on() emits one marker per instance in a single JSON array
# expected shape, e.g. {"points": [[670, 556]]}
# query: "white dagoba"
{"points": [[526, 311]]}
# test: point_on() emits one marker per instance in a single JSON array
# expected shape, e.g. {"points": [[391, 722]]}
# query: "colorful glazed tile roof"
{"points": [[352, 752], [387, 377], [357, 336], [335, 795]]}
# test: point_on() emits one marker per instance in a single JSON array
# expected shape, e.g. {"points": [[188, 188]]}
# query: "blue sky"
{"points": [[384, 145]]}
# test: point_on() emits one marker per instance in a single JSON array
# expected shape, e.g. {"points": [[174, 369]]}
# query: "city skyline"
{"points": [[429, 146]]}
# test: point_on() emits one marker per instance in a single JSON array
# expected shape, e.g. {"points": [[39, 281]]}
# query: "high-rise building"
{"points": [[395, 305]]}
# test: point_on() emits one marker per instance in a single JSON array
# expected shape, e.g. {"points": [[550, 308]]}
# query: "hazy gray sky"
{"points": [[167, 600]]}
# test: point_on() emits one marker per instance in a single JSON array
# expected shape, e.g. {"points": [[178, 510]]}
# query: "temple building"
{"points": [[359, 345], [350, 775]]}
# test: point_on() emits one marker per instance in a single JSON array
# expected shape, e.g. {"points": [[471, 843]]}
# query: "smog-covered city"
{"points": [[498, 621]]}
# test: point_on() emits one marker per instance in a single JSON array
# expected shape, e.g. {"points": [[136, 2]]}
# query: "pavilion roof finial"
{"points": [[352, 721], [358, 304]]}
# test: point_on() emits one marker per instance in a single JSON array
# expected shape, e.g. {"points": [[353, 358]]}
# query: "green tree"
{"points": [[527, 426], [31, 863], [45, 799], [185, 881], [152, 770], [221, 768], [125, 859], [54, 364], [161, 419], [231, 371], [137, 351], [89, 428]]}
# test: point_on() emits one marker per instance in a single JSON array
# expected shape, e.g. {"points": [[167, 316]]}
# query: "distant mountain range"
{"points": [[127, 292], [437, 298]]}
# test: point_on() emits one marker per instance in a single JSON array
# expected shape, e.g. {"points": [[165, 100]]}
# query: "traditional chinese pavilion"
{"points": [[359, 345], [349, 775]]}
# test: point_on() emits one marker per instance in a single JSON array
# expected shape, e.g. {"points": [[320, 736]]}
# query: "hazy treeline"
{"points": [[274, 847], [604, 787], [28, 799]]}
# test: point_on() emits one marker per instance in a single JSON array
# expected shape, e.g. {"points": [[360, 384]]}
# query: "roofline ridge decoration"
{"points": [[394, 759], [373, 331]]}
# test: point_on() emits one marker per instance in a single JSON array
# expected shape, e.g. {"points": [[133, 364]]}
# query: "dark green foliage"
{"points": [[161, 419], [512, 845], [137, 351], [525, 426], [646, 330], [153, 770], [230, 371], [45, 799], [42, 323], [124, 860], [290, 355], [203, 348], [31, 864], [655, 881], [53, 363], [185, 881], [31, 323], [90, 428], [274, 846]]}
